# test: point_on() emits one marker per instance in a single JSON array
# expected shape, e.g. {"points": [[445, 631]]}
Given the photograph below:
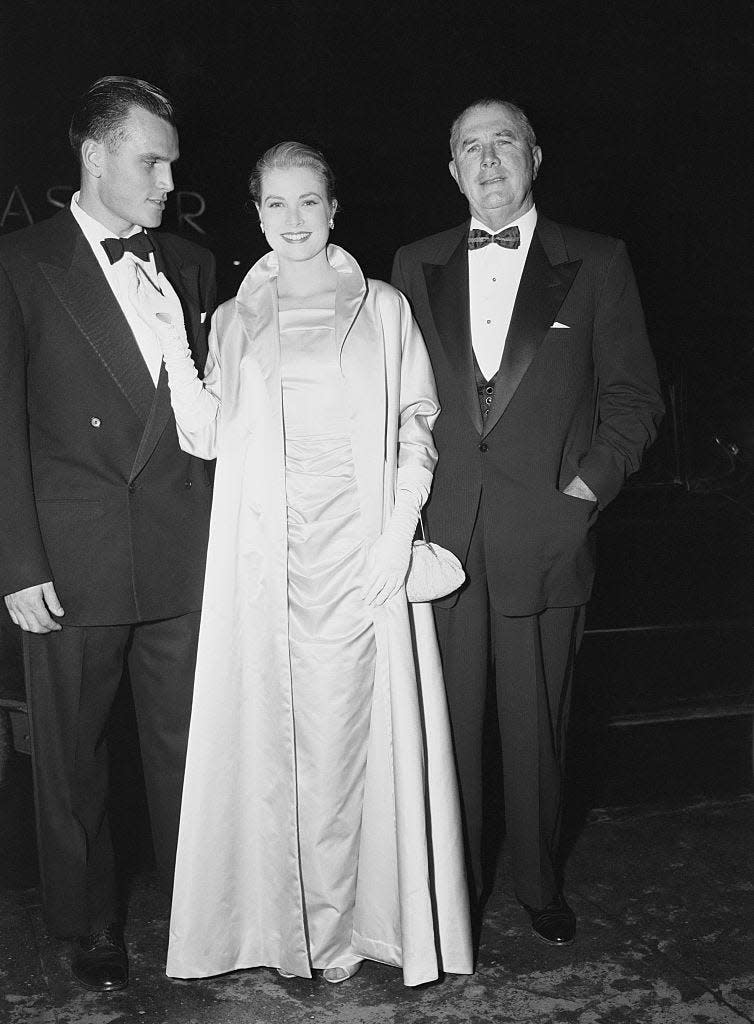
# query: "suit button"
{"points": [[482, 447], [95, 421], [131, 488], [186, 483]]}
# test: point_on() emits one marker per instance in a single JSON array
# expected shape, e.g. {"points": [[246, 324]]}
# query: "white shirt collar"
{"points": [[526, 224], [93, 230]]}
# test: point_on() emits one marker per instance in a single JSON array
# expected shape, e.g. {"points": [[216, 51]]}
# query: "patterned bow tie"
{"points": [[508, 238], [139, 244]]}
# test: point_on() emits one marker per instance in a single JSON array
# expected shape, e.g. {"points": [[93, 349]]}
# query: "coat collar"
{"points": [[257, 306], [358, 335], [448, 289]]}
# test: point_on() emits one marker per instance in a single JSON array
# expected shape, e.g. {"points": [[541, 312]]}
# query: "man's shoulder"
{"points": [[184, 250], [436, 246], [35, 240], [578, 242]]}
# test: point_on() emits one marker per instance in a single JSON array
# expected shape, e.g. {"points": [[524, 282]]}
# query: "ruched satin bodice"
{"points": [[324, 528]]}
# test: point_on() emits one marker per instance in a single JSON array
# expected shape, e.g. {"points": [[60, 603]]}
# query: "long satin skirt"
{"points": [[332, 647]]}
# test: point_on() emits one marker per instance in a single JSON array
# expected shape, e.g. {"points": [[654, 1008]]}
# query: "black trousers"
{"points": [[532, 661], [72, 677]]}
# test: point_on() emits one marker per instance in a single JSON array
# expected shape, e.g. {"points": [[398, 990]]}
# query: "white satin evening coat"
{"points": [[237, 899]]}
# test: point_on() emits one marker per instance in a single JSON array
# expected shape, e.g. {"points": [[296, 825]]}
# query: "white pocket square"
{"points": [[564, 327], [202, 317]]}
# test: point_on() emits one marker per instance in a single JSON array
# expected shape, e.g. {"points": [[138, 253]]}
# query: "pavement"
{"points": [[665, 901]]}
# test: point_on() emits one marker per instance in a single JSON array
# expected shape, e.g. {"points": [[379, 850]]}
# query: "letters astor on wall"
{"points": [[189, 207]]}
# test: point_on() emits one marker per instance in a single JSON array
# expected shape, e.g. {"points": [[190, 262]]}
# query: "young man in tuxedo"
{"points": [[103, 519], [549, 396]]}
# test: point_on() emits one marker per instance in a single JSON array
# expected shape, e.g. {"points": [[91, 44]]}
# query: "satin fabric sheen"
{"points": [[331, 632], [238, 899]]}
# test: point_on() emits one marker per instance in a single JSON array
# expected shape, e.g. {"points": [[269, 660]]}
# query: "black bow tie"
{"points": [[139, 244], [508, 238]]}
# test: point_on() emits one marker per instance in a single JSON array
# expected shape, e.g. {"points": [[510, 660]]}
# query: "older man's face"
{"points": [[494, 166]]}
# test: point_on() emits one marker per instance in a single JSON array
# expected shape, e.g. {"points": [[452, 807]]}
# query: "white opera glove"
{"points": [[157, 305], [389, 557], [160, 309]]}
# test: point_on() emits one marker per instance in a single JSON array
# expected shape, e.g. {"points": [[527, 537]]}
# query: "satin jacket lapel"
{"points": [[83, 291], [257, 311], [256, 306], [349, 296], [541, 293], [358, 333], [161, 410], [448, 291]]}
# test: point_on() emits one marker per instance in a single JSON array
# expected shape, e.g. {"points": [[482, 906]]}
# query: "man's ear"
{"points": [[454, 174], [536, 160], [92, 153]]}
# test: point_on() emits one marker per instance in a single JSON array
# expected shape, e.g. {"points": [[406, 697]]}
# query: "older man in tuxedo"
{"points": [[549, 396], [103, 519]]}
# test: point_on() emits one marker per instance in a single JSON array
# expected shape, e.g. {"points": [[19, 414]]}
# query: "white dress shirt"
{"points": [[494, 277], [120, 277]]}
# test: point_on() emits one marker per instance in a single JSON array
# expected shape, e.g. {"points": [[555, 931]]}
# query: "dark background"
{"points": [[644, 112]]}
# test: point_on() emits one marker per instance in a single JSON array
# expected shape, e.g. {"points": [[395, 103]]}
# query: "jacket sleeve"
{"points": [[23, 561], [419, 408], [629, 403]]}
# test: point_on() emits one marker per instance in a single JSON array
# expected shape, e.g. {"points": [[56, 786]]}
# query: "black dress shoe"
{"points": [[555, 923], [101, 964]]}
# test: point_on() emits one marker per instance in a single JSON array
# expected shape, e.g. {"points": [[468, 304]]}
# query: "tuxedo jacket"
{"points": [[576, 394], [96, 494]]}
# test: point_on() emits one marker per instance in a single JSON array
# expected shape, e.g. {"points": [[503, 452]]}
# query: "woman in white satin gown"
{"points": [[320, 821]]}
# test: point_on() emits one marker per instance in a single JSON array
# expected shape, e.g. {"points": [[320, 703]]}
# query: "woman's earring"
{"points": [[261, 227], [332, 223]]}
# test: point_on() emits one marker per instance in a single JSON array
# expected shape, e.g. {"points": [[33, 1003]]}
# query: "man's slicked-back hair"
{"points": [[291, 154], [513, 109], [103, 109]]}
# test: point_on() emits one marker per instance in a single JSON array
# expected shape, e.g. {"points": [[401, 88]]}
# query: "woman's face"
{"points": [[294, 212]]}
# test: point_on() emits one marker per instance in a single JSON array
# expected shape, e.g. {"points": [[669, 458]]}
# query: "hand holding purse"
{"points": [[433, 571]]}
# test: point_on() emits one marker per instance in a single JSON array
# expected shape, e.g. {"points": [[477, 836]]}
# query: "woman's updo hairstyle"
{"points": [[292, 154]]}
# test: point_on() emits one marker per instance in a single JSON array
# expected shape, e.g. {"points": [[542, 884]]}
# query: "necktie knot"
{"points": [[139, 244], [508, 238]]}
